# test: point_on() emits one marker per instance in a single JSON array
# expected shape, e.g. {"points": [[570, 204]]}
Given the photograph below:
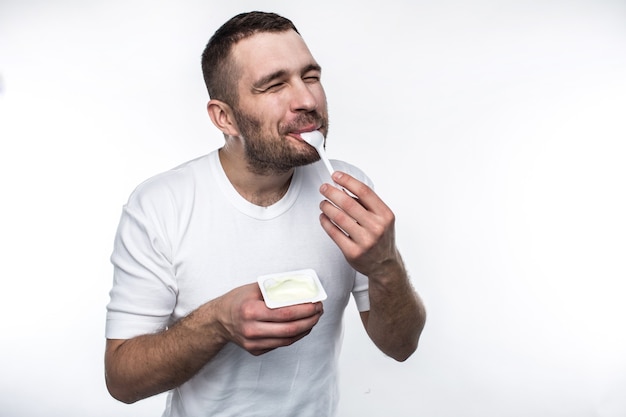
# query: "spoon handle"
{"points": [[324, 158]]}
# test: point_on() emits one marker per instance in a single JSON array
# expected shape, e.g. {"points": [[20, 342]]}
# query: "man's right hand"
{"points": [[249, 323]]}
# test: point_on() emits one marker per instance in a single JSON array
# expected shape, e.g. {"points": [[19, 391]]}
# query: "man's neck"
{"points": [[260, 189]]}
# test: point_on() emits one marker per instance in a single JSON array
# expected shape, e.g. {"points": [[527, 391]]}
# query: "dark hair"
{"points": [[220, 75]]}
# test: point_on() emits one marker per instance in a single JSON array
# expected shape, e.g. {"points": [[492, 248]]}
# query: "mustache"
{"points": [[304, 120]]}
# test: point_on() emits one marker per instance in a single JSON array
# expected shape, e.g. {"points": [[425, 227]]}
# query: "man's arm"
{"points": [[150, 364], [363, 228], [396, 316]]}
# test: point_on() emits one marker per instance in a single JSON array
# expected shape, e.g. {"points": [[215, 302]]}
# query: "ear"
{"points": [[221, 115]]}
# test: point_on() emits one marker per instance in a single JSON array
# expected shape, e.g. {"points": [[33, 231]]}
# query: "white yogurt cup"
{"points": [[292, 287]]}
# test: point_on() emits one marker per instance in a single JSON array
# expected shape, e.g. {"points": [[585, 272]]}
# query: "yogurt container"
{"points": [[292, 287]]}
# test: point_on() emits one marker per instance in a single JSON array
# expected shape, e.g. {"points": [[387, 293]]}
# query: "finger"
{"points": [[291, 313], [339, 199], [281, 331], [365, 195], [369, 215], [341, 238], [260, 347], [285, 321], [341, 218]]}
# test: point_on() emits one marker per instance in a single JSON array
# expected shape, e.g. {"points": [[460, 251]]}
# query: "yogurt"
{"points": [[289, 288]]}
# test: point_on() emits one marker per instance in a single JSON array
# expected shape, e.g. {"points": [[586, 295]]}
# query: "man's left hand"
{"points": [[361, 224]]}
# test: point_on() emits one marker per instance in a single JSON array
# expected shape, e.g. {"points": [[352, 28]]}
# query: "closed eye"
{"points": [[274, 87], [269, 82], [312, 73], [311, 79]]}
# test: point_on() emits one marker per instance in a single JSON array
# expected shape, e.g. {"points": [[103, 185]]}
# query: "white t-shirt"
{"points": [[185, 237]]}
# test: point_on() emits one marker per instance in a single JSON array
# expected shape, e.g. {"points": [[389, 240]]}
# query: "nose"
{"points": [[303, 99]]}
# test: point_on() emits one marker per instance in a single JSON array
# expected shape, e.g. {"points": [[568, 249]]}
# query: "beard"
{"points": [[268, 154]]}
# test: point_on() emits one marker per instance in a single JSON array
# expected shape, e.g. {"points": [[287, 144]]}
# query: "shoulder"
{"points": [[171, 186]]}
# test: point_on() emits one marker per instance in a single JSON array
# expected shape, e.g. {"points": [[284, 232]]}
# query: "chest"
{"points": [[217, 254]]}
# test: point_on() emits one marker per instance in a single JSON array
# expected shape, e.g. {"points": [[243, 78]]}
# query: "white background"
{"points": [[495, 129]]}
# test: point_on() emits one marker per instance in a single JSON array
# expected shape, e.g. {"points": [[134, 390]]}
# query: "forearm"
{"points": [[151, 364], [148, 365], [397, 315], [363, 228]]}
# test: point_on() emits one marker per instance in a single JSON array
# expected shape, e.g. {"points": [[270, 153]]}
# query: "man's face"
{"points": [[280, 96]]}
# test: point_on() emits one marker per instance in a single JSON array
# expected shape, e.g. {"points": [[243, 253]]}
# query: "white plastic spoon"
{"points": [[316, 139]]}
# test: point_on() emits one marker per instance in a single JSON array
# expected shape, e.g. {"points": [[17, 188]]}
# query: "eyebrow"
{"points": [[258, 85], [311, 67]]}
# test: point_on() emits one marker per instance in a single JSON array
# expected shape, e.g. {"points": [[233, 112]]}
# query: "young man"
{"points": [[186, 314]]}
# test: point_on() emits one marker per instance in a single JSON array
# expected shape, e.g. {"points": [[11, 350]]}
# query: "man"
{"points": [[186, 315]]}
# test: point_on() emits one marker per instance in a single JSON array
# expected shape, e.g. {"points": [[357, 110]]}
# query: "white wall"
{"points": [[495, 129]]}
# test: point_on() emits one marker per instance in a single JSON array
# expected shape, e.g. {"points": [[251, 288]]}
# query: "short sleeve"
{"points": [[144, 290], [360, 292]]}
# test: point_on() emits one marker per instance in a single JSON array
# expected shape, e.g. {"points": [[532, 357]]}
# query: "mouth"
{"points": [[297, 133]]}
